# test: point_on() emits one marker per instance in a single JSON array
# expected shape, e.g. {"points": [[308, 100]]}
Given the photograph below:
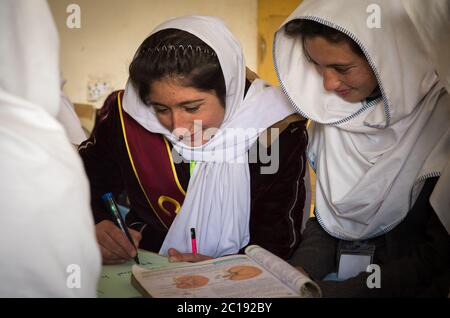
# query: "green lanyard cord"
{"points": [[191, 166]]}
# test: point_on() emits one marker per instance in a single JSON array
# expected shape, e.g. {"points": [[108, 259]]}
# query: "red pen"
{"points": [[193, 241]]}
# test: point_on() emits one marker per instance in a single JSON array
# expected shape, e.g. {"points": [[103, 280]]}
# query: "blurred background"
{"points": [[95, 54], [96, 50]]}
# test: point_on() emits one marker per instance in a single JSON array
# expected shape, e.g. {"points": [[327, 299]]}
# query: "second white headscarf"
{"points": [[370, 158]]}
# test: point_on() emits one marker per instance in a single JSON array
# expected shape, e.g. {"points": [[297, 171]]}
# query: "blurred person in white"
{"points": [[47, 236], [69, 119]]}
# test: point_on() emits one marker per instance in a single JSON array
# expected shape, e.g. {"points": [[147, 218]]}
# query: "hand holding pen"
{"points": [[117, 242]]}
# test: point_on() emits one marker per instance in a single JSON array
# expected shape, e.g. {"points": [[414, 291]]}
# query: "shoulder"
{"points": [[107, 123], [108, 113], [109, 105], [293, 126], [291, 120]]}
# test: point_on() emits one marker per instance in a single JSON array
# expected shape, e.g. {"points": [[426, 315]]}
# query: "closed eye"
{"points": [[159, 109], [192, 109], [343, 69]]}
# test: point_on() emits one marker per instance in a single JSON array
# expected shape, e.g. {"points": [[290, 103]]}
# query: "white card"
{"points": [[351, 265]]}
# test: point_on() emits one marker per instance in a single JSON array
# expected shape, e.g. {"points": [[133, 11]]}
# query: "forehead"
{"points": [[326, 52], [172, 90]]}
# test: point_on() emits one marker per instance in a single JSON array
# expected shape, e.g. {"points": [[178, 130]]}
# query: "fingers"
{"points": [[136, 235], [115, 245], [173, 252], [175, 256], [110, 258]]}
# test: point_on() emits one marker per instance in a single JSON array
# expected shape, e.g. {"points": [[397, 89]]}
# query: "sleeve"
{"points": [[70, 121], [317, 251], [423, 271], [278, 193], [99, 155]]}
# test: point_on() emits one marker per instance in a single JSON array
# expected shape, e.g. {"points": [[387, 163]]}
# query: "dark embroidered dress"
{"points": [[122, 157]]}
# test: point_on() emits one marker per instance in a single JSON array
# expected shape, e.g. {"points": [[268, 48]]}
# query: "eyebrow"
{"points": [[331, 65], [180, 104], [339, 65]]}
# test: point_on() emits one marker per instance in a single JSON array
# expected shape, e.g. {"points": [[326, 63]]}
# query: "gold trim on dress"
{"points": [[131, 159], [162, 199]]}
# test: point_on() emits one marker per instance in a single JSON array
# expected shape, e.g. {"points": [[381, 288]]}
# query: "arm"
{"points": [[316, 254], [98, 154], [422, 270], [278, 196]]}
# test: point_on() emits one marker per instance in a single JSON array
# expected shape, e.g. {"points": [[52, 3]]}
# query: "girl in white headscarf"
{"points": [[170, 142], [379, 142], [47, 238]]}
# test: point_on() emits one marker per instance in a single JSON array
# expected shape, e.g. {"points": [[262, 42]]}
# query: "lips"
{"points": [[343, 92]]}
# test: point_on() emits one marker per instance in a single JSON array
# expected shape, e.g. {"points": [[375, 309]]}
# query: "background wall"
{"points": [[111, 30]]}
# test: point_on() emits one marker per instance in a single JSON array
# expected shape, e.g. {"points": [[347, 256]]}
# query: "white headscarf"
{"points": [[47, 231], [370, 158], [217, 202], [432, 21]]}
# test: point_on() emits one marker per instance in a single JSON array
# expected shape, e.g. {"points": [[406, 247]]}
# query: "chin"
{"points": [[352, 99]]}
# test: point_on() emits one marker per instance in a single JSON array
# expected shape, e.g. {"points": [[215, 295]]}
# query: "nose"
{"points": [[180, 124], [330, 80]]}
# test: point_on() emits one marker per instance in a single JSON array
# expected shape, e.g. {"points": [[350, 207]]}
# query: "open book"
{"points": [[257, 274]]}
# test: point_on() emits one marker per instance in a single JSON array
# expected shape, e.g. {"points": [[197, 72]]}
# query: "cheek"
{"points": [[366, 80], [217, 119], [213, 118], [372, 82], [357, 81]]}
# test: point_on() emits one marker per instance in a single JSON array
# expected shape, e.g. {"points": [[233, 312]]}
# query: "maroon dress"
{"points": [[123, 157]]}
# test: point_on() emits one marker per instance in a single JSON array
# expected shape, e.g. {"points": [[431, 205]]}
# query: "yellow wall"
{"points": [[111, 31], [271, 14]]}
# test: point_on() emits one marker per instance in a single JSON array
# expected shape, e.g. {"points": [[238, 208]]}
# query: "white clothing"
{"points": [[217, 202], [46, 226], [371, 158], [70, 121]]}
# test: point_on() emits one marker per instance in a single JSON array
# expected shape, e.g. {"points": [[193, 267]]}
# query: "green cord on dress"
{"points": [[191, 166]]}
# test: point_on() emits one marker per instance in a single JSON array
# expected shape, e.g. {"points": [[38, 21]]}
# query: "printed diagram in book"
{"points": [[190, 281], [242, 272], [234, 273]]}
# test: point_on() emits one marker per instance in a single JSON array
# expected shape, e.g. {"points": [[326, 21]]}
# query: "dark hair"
{"points": [[310, 29], [178, 54]]}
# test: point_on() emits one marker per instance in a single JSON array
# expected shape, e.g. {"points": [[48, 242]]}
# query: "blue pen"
{"points": [[112, 206]]}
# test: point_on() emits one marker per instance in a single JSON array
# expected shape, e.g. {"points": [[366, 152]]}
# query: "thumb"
{"points": [[172, 252]]}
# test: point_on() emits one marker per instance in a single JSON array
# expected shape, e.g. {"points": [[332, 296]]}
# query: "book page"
{"points": [[234, 276], [284, 271]]}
